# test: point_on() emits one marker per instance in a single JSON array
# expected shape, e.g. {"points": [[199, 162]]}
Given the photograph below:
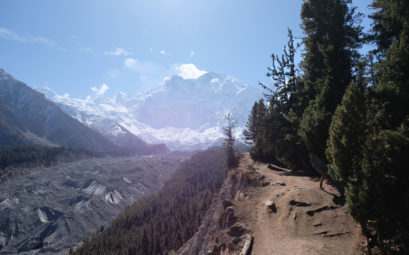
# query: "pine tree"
{"points": [[145, 242], [368, 146], [346, 145], [277, 140], [347, 135], [283, 72], [391, 32], [250, 132], [229, 141], [260, 149], [386, 155], [330, 55]]}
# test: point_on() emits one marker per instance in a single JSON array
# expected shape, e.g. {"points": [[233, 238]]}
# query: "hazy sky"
{"points": [[88, 47]]}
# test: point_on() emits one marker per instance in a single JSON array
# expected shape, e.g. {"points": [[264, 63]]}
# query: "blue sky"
{"points": [[92, 47]]}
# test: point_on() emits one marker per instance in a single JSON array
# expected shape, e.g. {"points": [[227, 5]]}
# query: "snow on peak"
{"points": [[182, 113], [189, 71], [215, 80], [122, 98], [48, 93]]}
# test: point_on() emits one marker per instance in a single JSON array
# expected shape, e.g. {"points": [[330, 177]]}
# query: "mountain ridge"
{"points": [[183, 113], [28, 118]]}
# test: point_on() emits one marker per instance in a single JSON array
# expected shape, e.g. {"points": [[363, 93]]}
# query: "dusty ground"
{"points": [[292, 215]]}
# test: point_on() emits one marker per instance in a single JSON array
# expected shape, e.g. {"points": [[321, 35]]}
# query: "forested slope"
{"points": [[163, 222], [21, 160]]}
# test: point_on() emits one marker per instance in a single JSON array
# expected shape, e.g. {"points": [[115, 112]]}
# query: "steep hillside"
{"points": [[9, 134], [262, 211], [161, 223], [27, 117], [30, 116], [182, 113]]}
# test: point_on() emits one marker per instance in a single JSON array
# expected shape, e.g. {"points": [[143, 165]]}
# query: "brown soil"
{"points": [[292, 215]]}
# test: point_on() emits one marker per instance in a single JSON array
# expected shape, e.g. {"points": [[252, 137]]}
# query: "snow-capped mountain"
{"points": [[27, 118], [183, 113]]}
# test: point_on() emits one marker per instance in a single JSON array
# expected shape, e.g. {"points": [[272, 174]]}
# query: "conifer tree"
{"points": [[346, 145], [386, 156], [145, 242], [347, 135], [330, 54], [229, 141], [251, 125], [277, 140], [259, 150], [368, 147]]}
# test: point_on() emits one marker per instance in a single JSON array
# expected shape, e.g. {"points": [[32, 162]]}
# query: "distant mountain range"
{"points": [[184, 114], [27, 118]]}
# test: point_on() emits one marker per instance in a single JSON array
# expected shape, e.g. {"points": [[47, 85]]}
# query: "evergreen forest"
{"points": [[28, 157], [161, 223], [349, 107]]}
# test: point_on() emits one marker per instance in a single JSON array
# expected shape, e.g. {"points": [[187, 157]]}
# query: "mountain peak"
{"points": [[211, 76], [175, 81], [185, 114], [175, 77], [5, 76], [121, 94], [207, 77], [121, 97]]}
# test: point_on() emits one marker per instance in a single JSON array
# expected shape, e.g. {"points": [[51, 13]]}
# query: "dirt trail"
{"points": [[291, 215]]}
